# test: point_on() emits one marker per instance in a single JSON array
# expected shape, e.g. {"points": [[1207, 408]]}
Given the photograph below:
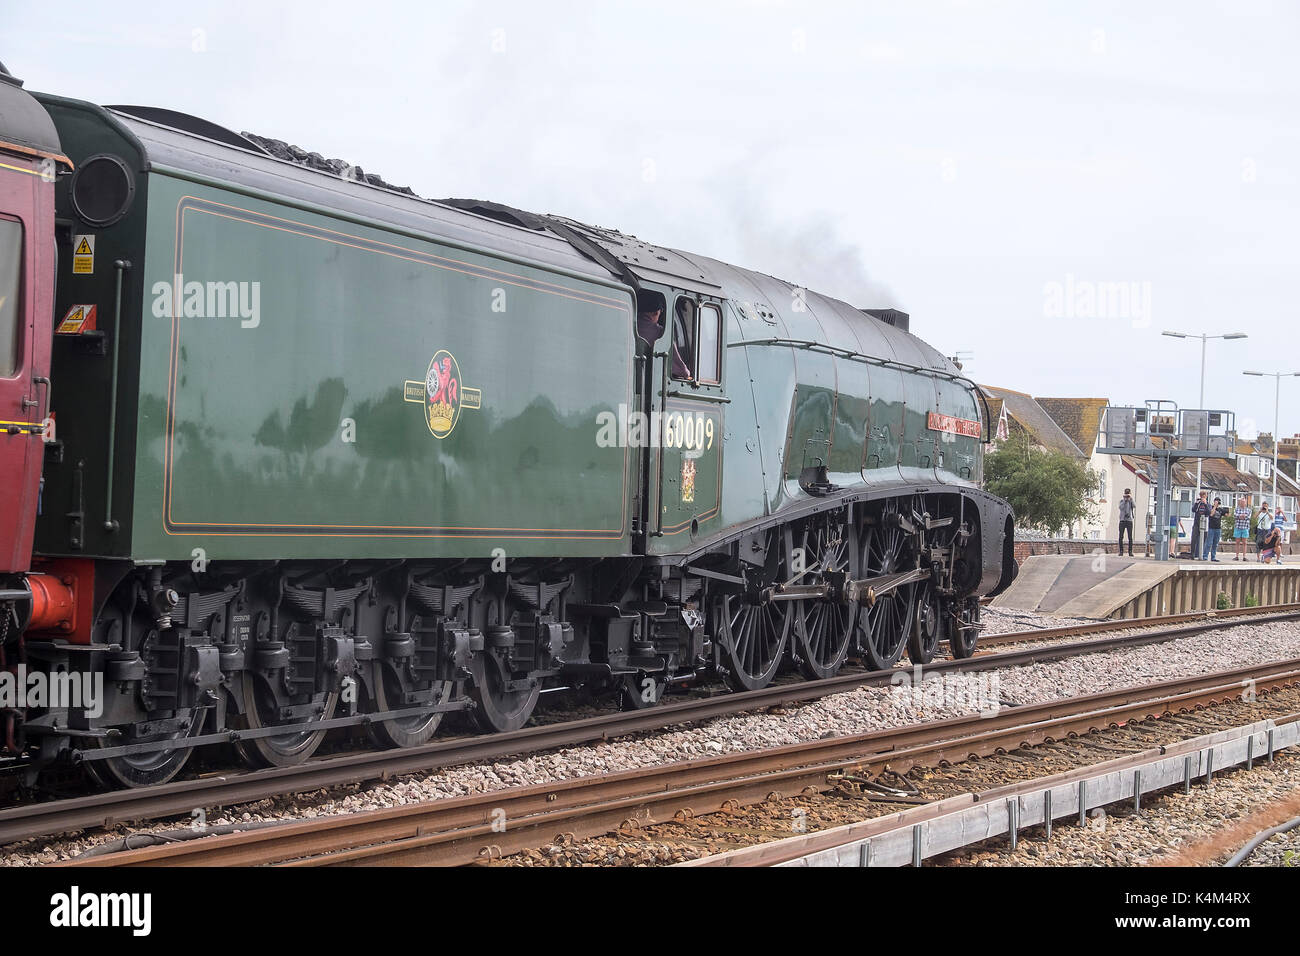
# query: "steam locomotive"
{"points": [[291, 451]]}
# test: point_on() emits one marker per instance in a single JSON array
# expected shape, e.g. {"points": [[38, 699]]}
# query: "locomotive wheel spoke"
{"points": [[962, 641], [753, 637], [926, 629], [754, 641], [883, 628], [823, 627], [927, 623]]}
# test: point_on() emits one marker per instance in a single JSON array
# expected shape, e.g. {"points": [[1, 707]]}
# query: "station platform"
{"points": [[1109, 586]]}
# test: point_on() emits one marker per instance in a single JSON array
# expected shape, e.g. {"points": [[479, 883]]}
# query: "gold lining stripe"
{"points": [[21, 169], [36, 428]]}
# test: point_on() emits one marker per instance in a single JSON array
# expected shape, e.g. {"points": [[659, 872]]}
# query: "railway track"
{"points": [[462, 830], [181, 797], [1129, 624]]}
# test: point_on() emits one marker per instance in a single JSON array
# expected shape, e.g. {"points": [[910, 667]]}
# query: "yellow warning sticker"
{"points": [[83, 254], [80, 318]]}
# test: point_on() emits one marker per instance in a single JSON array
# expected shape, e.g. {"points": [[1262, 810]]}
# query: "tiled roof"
{"points": [[1218, 476], [1144, 468], [1031, 416], [1080, 418]]}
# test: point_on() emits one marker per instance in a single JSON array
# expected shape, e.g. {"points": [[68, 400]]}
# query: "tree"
{"points": [[1047, 489]]}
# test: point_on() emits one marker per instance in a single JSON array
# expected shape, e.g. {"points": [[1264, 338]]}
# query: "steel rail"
{"points": [[1204, 745], [463, 829], [108, 809], [1126, 624]]}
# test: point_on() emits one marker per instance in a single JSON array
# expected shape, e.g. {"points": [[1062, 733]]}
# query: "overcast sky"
{"points": [[1045, 186]]}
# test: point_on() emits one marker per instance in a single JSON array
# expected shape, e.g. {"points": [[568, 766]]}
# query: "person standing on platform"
{"points": [[1215, 525], [1241, 528], [1263, 527], [1279, 522], [1200, 512], [1126, 509]]}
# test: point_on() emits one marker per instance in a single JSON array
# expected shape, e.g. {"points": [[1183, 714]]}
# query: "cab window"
{"points": [[683, 348], [709, 364], [11, 258]]}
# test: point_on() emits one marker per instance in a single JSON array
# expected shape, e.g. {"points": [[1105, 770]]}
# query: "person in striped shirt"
{"points": [[1241, 528]]}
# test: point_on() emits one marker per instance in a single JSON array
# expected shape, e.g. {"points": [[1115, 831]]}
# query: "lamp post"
{"points": [[1277, 405], [1204, 339]]}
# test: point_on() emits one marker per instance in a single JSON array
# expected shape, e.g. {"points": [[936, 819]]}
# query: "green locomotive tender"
{"points": [[326, 454]]}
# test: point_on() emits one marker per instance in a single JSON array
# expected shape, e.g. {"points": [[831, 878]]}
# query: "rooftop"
{"points": [[1079, 418], [1034, 419]]}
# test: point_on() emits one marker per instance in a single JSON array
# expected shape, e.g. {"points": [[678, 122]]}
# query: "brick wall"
{"points": [[1027, 546]]}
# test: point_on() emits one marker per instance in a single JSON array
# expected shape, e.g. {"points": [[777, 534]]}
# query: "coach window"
{"points": [[710, 361], [11, 258], [683, 350]]}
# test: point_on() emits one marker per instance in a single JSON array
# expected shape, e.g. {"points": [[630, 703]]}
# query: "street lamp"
{"points": [[1204, 339], [1277, 404]]}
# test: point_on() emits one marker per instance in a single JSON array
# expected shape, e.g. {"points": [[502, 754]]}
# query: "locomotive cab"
{"points": [[688, 402]]}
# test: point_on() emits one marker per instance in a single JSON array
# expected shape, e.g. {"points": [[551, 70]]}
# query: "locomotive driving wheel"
{"points": [[753, 630], [884, 627], [823, 627]]}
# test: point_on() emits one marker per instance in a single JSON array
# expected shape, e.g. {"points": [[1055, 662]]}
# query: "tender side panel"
{"points": [[388, 393]]}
